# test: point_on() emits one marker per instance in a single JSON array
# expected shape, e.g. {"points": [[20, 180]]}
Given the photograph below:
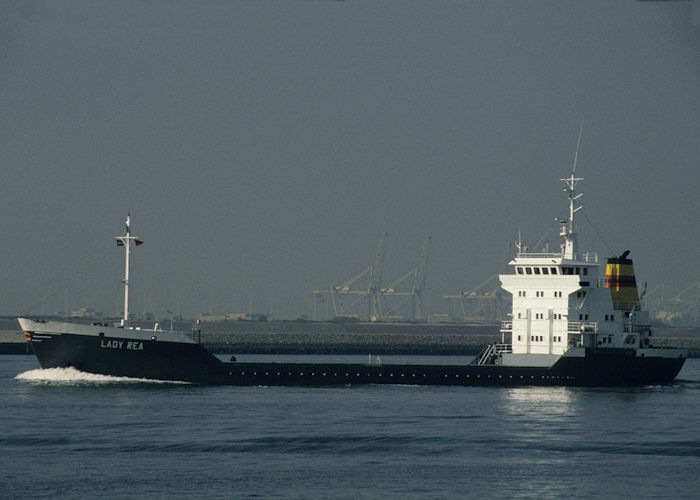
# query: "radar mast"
{"points": [[567, 232]]}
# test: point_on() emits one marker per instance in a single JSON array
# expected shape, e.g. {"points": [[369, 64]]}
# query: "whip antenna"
{"points": [[578, 144]]}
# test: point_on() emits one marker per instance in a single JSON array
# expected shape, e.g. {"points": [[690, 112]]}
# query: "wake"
{"points": [[71, 376]]}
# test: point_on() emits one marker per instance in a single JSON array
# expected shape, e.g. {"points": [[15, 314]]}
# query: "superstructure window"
{"points": [[585, 271], [553, 269], [545, 270], [537, 270], [520, 270], [528, 270]]}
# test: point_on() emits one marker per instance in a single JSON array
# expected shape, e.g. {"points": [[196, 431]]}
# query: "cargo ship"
{"points": [[572, 323]]}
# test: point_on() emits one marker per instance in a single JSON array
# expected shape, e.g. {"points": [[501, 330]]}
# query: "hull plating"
{"points": [[192, 363]]}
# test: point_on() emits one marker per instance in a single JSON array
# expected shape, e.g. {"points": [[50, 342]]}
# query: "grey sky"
{"points": [[263, 147]]}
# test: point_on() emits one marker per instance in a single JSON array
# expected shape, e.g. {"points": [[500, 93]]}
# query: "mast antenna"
{"points": [[578, 144], [568, 229]]}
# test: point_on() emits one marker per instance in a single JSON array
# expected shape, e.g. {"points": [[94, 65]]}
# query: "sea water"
{"points": [[65, 434]]}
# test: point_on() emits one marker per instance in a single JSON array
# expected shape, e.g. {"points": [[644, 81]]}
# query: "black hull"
{"points": [[188, 362]]}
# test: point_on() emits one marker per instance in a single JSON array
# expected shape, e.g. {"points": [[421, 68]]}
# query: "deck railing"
{"points": [[548, 255], [571, 327], [584, 257], [581, 326], [501, 348]]}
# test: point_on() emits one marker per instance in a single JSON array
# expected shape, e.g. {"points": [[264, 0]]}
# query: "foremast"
{"points": [[567, 231], [126, 241]]}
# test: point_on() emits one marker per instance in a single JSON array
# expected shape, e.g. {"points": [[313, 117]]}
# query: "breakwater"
{"points": [[346, 338], [349, 343], [244, 337]]}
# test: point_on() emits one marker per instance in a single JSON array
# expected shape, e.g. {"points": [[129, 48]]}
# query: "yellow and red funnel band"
{"points": [[619, 277], [28, 335]]}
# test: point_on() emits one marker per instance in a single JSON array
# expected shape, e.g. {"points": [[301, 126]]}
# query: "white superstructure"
{"points": [[563, 302]]}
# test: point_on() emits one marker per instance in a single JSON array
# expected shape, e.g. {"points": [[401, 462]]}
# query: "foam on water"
{"points": [[71, 376]]}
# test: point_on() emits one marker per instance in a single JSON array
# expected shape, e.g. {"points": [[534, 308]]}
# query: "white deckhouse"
{"points": [[561, 302]]}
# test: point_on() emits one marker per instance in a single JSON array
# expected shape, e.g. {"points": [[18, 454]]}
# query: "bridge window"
{"points": [[537, 270], [520, 270], [528, 270], [553, 269], [545, 270]]}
